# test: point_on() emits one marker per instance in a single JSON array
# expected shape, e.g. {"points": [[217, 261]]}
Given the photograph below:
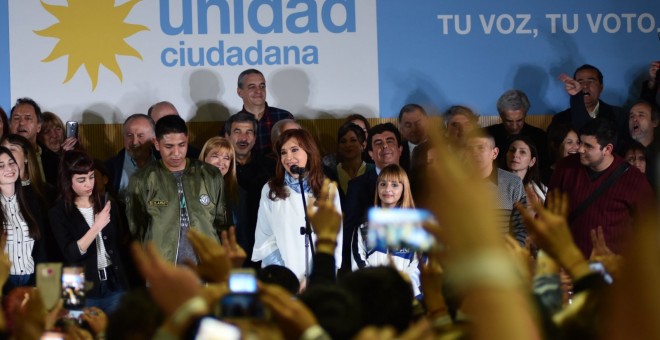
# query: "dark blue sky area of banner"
{"points": [[418, 63]]}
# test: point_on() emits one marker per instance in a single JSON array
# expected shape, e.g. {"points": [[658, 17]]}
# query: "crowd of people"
{"points": [[537, 233]]}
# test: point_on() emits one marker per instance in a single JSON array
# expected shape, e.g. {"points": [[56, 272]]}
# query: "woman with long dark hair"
{"points": [[281, 211], [31, 175], [522, 159], [23, 231], [86, 229]]}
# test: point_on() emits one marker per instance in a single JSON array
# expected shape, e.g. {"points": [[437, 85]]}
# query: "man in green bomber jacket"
{"points": [[167, 198]]}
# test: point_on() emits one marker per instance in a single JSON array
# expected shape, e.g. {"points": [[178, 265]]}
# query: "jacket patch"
{"points": [[159, 203], [204, 199]]}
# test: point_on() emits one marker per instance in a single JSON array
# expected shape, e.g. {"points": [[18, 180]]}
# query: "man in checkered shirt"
{"points": [[252, 89]]}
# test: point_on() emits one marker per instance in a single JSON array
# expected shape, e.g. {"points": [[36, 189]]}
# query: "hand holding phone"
{"points": [[71, 129], [243, 301], [73, 287]]}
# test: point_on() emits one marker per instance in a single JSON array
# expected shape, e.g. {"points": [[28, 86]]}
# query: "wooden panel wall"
{"points": [[105, 140]]}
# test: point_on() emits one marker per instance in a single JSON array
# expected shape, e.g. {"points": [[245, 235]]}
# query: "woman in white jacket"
{"points": [[281, 212], [392, 191]]}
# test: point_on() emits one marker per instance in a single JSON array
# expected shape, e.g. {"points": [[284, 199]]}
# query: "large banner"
{"points": [[98, 61]]}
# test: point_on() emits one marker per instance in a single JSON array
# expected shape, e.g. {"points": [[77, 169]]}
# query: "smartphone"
{"points": [[211, 328], [243, 280], [600, 268], [73, 287], [71, 129], [242, 305], [399, 228], [49, 284]]}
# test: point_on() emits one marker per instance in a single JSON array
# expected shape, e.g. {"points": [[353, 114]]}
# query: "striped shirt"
{"points": [[102, 258], [19, 243]]}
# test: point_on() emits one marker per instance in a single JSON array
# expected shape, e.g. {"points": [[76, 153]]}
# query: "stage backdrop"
{"points": [[98, 61]]}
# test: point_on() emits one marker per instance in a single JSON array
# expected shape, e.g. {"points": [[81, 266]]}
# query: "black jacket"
{"points": [[69, 227]]}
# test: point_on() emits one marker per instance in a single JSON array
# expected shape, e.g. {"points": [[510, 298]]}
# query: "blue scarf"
{"points": [[295, 185]]}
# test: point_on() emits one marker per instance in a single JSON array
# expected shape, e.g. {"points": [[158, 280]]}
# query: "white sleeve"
{"points": [[340, 237], [264, 239]]}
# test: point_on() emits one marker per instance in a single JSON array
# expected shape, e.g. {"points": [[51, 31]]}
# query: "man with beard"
{"points": [[618, 189], [253, 170], [642, 122], [138, 134]]}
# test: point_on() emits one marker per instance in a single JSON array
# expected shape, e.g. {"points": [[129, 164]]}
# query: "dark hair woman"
{"points": [[24, 232], [86, 229]]}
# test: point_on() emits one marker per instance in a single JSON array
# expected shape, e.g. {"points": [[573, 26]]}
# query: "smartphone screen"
{"points": [[399, 228], [49, 283], [243, 281], [71, 129], [73, 287]]}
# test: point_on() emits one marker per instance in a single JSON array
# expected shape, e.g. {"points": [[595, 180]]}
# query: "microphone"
{"points": [[297, 170]]}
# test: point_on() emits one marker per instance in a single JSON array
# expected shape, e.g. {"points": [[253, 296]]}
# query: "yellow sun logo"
{"points": [[91, 33]]}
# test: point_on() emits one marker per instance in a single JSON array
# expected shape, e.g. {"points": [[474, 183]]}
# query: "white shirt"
{"points": [[278, 228], [19, 243]]}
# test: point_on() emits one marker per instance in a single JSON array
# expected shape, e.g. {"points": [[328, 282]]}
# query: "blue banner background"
{"points": [[417, 63]]}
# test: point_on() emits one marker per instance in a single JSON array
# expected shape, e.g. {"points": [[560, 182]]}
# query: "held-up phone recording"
{"points": [[399, 228], [71, 129], [243, 301], [73, 287], [49, 283]]}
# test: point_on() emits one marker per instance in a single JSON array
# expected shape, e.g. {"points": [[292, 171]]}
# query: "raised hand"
{"points": [[325, 219], [236, 253], [653, 70], [291, 314], [571, 85], [214, 263], [169, 286], [102, 218], [549, 230]]}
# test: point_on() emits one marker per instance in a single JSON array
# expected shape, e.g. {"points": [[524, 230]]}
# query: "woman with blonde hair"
{"points": [[220, 153], [392, 192]]}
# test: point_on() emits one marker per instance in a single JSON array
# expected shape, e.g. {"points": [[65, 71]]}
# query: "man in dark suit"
{"points": [[25, 120], [585, 88], [413, 124], [384, 147], [138, 132]]}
